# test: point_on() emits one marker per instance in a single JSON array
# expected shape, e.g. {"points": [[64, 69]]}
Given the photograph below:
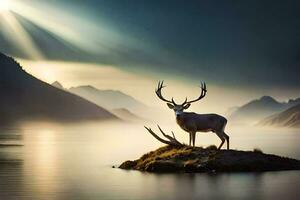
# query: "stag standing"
{"points": [[192, 122]]}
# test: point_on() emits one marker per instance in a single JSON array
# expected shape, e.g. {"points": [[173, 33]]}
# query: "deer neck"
{"points": [[180, 119]]}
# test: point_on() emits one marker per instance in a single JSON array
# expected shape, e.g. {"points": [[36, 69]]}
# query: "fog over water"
{"points": [[74, 161]]}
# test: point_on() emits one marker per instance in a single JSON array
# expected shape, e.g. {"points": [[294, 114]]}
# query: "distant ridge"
{"points": [[25, 97], [109, 99], [58, 85], [126, 115], [117, 102], [287, 118], [260, 108]]}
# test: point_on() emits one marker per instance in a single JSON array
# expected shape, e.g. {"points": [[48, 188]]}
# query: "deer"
{"points": [[193, 122]]}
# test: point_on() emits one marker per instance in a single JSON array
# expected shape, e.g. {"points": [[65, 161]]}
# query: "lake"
{"points": [[74, 161]]}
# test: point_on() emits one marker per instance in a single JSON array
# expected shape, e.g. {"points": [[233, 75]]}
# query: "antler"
{"points": [[160, 86], [171, 140], [203, 93]]}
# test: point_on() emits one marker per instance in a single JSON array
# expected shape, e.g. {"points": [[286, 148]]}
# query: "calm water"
{"points": [[75, 162]]}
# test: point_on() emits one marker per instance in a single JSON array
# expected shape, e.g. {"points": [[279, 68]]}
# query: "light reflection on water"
{"points": [[73, 161]]}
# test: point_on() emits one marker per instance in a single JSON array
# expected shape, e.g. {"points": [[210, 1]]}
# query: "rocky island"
{"points": [[178, 159]]}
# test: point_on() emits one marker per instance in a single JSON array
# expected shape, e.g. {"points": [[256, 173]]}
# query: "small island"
{"points": [[186, 159]]}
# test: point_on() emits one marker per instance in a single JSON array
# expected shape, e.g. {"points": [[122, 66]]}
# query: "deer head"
{"points": [[179, 108]]}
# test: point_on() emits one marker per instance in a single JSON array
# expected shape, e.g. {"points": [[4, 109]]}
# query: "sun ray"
{"points": [[72, 31], [95, 38], [19, 36], [55, 26], [5, 5]]}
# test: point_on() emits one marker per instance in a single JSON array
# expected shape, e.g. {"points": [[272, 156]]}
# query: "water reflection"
{"points": [[40, 164], [11, 164], [74, 162]]}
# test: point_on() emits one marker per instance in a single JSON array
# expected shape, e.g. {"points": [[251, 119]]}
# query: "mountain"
{"points": [[57, 85], [231, 110], [126, 115], [293, 102], [109, 99], [260, 108], [287, 118], [26, 97]]}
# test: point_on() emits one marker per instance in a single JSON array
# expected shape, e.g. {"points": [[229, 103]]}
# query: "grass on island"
{"points": [[210, 159]]}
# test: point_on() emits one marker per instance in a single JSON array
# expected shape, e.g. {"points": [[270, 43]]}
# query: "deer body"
{"points": [[192, 122]]}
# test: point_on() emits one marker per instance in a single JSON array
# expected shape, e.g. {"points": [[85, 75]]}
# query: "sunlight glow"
{"points": [[18, 35], [5, 5], [56, 24], [43, 161], [14, 31], [68, 28]]}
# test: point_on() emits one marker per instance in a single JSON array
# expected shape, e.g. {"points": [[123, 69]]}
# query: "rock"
{"points": [[163, 166], [187, 159], [128, 164]]}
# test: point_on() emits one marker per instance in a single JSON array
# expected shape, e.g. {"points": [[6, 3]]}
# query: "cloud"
{"points": [[235, 44]]}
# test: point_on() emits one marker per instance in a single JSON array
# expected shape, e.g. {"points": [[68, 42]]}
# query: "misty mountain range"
{"points": [[117, 102], [127, 115], [25, 97], [110, 99], [287, 118], [259, 109]]}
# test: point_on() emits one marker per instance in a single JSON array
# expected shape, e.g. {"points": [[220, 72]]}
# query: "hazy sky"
{"points": [[229, 42], [235, 45], [218, 98]]}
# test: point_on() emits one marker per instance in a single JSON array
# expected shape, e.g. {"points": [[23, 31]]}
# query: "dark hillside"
{"points": [[25, 97]]}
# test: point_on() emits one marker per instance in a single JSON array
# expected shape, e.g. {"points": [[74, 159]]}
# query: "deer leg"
{"points": [[221, 136], [223, 140], [194, 138], [227, 139], [190, 139]]}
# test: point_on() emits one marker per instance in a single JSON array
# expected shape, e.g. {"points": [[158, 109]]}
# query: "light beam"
{"points": [[5, 5]]}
